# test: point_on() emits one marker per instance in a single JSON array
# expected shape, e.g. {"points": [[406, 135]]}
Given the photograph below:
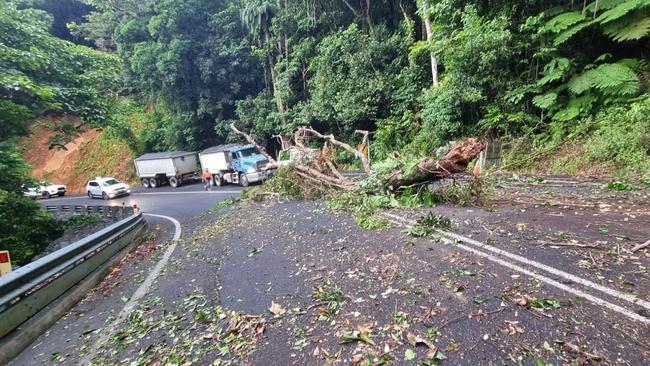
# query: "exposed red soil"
{"points": [[61, 166]]}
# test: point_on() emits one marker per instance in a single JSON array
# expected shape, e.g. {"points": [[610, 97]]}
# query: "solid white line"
{"points": [[594, 299], [177, 224], [609, 291], [142, 290]]}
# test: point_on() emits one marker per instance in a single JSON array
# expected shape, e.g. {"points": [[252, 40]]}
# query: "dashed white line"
{"points": [[401, 221]]}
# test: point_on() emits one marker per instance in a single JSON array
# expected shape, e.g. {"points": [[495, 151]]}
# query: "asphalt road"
{"points": [[181, 203]]}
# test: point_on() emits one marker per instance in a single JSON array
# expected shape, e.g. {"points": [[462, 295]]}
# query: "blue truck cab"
{"points": [[249, 162], [238, 164]]}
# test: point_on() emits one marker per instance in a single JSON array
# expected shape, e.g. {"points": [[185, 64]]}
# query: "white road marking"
{"points": [[142, 290], [401, 221]]}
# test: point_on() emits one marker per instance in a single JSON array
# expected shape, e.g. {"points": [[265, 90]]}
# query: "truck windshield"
{"points": [[247, 152]]}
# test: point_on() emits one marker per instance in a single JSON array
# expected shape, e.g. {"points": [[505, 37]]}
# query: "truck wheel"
{"points": [[153, 183], [218, 181], [145, 182], [104, 196], [174, 182], [243, 181]]}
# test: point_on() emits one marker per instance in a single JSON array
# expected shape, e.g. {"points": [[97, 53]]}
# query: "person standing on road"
{"points": [[207, 179]]}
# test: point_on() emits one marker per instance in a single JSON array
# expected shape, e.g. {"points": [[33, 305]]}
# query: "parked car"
{"points": [[236, 164], [107, 188], [173, 168], [44, 190]]}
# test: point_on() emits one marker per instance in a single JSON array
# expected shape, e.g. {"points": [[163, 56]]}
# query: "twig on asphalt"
{"points": [[640, 246], [477, 314], [578, 245]]}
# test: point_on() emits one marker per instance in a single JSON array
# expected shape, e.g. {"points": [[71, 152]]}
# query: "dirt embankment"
{"points": [[90, 154]]}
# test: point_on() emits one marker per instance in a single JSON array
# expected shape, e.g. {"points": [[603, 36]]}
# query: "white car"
{"points": [[107, 188], [44, 190]]}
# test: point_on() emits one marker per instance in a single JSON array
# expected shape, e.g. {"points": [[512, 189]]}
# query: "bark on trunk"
{"points": [[429, 31], [454, 161]]}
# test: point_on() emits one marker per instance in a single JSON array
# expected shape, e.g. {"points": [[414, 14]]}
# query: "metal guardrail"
{"points": [[107, 211], [31, 288]]}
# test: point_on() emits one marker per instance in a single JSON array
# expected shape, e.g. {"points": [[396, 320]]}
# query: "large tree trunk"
{"points": [[429, 31], [274, 76], [454, 161]]}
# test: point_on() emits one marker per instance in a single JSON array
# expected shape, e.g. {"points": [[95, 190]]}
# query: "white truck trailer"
{"points": [[174, 167]]}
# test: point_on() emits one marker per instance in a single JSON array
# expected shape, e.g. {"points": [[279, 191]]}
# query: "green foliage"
{"points": [[288, 183], [475, 190], [476, 59], [82, 220], [44, 73], [617, 185], [429, 224], [371, 222], [622, 138], [193, 56], [25, 229]]}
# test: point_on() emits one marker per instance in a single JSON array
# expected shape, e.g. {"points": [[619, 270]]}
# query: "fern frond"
{"points": [[573, 108], [563, 21], [545, 101], [603, 5], [621, 10], [633, 31], [579, 84], [554, 70], [614, 79], [570, 32]]}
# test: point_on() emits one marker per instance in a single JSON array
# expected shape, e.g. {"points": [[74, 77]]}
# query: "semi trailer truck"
{"points": [[236, 164], [230, 163]]}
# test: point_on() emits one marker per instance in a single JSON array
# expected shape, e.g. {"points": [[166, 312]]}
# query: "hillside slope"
{"points": [[91, 154]]}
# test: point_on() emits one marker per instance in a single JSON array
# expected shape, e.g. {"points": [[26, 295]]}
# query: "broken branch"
{"points": [[640, 246], [343, 145], [254, 143]]}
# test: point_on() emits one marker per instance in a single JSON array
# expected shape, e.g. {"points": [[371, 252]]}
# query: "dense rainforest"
{"points": [[165, 74]]}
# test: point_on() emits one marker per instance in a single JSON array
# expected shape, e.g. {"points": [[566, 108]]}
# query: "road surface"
{"points": [[545, 277], [181, 203]]}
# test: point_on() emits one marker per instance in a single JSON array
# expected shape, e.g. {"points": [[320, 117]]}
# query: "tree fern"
{"points": [[634, 30], [570, 32], [555, 70], [603, 5], [545, 101], [621, 20], [614, 79], [579, 84], [562, 22], [621, 10]]}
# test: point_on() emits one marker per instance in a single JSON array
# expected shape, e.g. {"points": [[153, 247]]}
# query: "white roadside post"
{"points": [[5, 262]]}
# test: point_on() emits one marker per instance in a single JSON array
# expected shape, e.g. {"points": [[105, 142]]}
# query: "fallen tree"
{"points": [[322, 171]]}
